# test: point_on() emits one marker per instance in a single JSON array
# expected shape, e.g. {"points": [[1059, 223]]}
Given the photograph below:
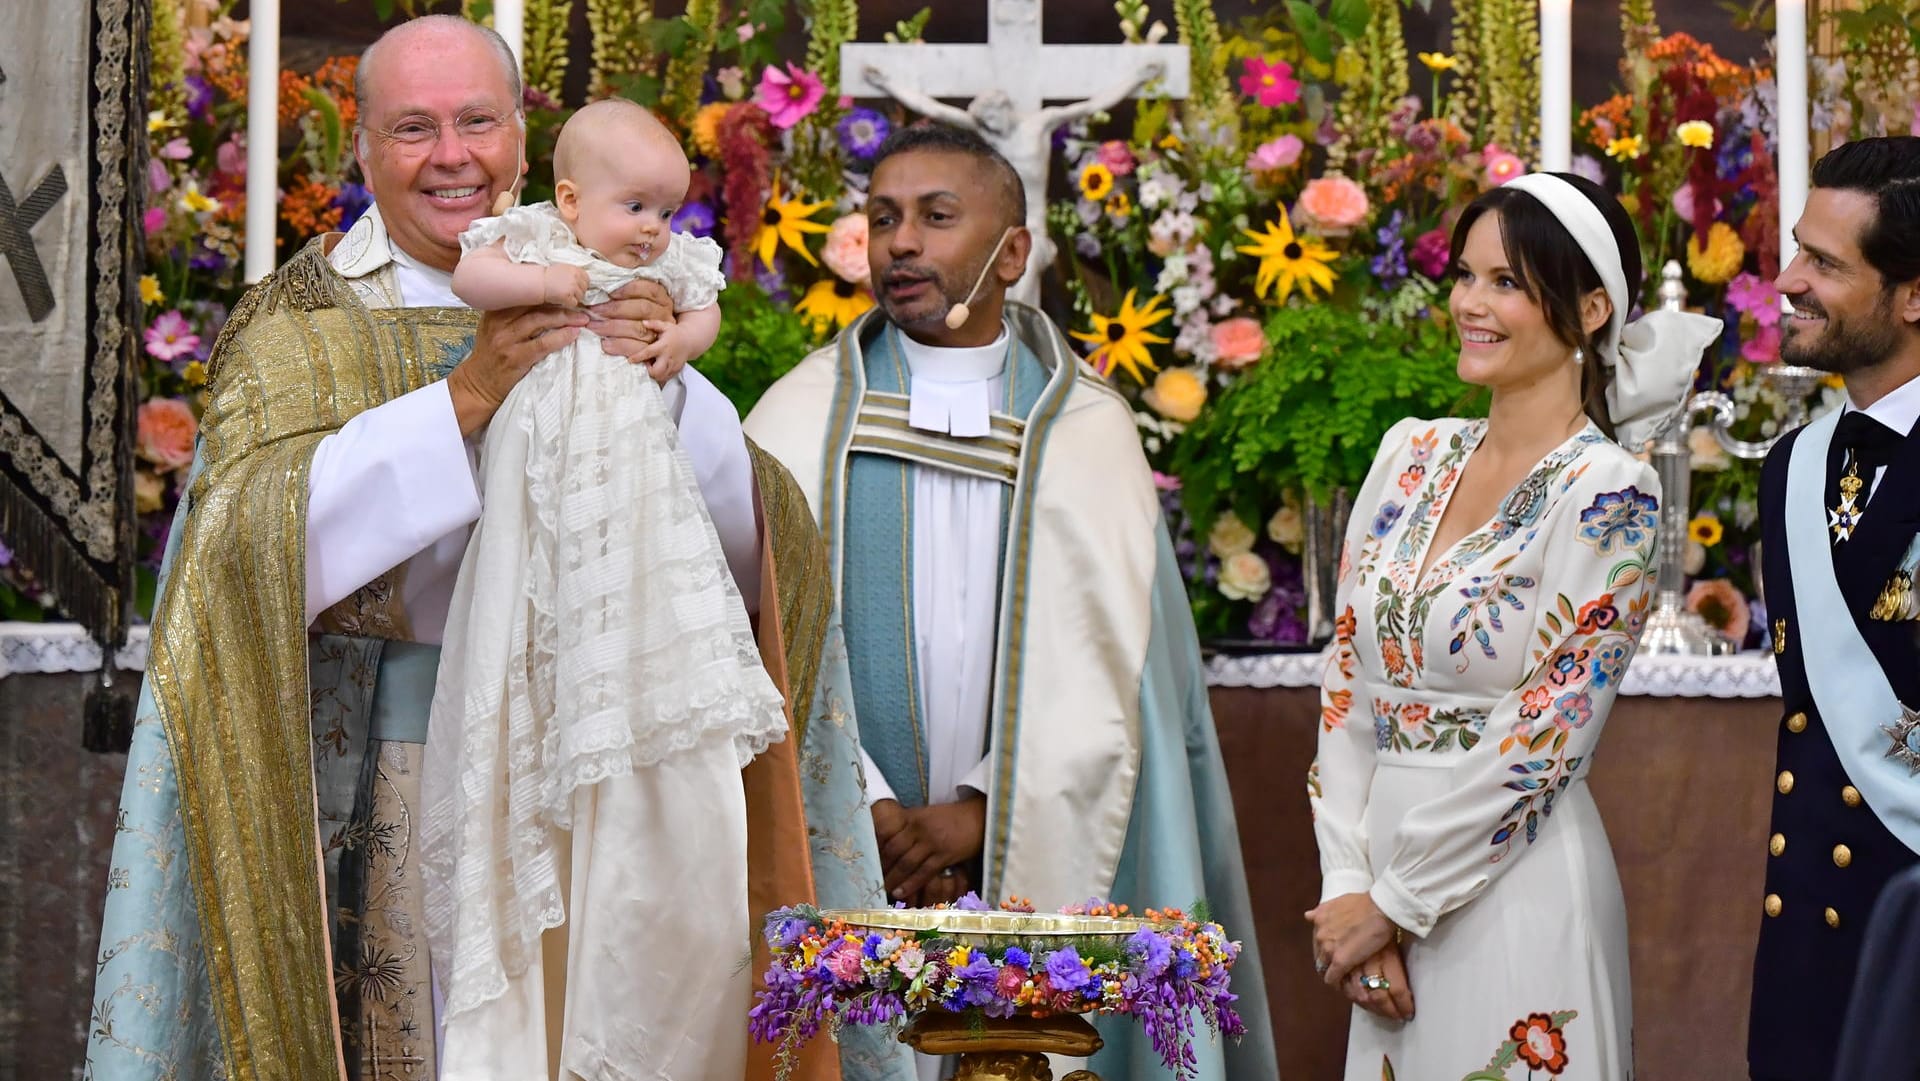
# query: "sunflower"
{"points": [[1705, 530], [1696, 133], [831, 304], [1288, 259], [1626, 148], [1096, 182], [1438, 62], [1123, 339], [1119, 206], [150, 290], [787, 221]]}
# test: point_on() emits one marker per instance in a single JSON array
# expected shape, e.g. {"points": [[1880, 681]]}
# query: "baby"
{"points": [[599, 688]]}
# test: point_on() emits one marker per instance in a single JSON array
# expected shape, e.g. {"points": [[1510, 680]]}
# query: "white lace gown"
{"points": [[1460, 712], [600, 689]]}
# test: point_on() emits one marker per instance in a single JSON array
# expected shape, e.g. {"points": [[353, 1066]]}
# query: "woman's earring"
{"points": [[1579, 357]]}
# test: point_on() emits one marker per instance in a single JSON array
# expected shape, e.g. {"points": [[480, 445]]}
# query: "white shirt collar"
{"points": [[368, 248], [953, 390], [1898, 409]]}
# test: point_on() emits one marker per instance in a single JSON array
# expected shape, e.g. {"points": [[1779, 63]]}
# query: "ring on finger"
{"points": [[1374, 981]]}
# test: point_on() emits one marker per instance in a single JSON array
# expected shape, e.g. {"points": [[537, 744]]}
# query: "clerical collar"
{"points": [[1898, 409], [952, 390], [422, 286], [367, 248]]}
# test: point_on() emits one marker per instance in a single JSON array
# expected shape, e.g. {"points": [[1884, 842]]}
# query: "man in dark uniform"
{"points": [[1840, 509]]}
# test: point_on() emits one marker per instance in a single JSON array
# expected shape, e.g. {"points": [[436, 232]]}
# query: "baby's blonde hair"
{"points": [[601, 128]]}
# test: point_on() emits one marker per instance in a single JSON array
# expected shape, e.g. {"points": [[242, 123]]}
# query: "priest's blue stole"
{"points": [[876, 536]]}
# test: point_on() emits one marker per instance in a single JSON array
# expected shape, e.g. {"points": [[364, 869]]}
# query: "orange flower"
{"points": [[336, 78], [308, 207], [1608, 119], [1334, 714], [1542, 1045], [1534, 702], [293, 97]]}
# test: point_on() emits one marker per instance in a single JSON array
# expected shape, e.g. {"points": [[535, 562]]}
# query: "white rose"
{"points": [[1708, 455], [1229, 537], [1696, 557], [1287, 529], [1244, 577]]}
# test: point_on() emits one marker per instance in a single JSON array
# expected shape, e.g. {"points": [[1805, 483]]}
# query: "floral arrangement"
{"points": [[1260, 268], [828, 969]]}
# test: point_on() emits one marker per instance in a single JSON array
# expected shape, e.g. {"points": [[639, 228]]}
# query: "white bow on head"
{"points": [[1654, 357]]}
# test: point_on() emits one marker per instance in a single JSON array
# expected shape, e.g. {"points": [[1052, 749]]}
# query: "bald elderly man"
{"points": [[305, 590]]}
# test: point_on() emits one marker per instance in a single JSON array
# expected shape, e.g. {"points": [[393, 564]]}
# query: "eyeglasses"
{"points": [[476, 127]]}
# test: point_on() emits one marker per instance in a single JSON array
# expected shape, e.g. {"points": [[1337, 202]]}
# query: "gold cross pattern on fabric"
{"points": [[1845, 518]]}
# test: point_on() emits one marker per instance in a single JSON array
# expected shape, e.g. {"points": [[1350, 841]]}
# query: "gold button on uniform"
{"points": [[1797, 723], [1833, 918], [1785, 782], [1773, 904], [1842, 855], [1849, 795], [1777, 844]]}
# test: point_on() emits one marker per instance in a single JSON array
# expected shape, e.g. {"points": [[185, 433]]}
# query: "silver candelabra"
{"points": [[1673, 628]]}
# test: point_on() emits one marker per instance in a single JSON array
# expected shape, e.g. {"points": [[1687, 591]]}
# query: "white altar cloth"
{"points": [[28, 648]]}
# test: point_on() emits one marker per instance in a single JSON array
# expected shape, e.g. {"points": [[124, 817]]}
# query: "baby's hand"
{"points": [[668, 352], [566, 286]]}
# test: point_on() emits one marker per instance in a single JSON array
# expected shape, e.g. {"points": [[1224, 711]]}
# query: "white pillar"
{"points": [[510, 21], [1790, 46], [1556, 85], [263, 136]]}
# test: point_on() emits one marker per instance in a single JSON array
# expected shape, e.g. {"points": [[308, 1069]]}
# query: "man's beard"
{"points": [[1844, 347], [939, 286]]}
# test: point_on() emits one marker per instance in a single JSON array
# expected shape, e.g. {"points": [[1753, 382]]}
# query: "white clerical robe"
{"points": [[396, 484], [956, 569]]}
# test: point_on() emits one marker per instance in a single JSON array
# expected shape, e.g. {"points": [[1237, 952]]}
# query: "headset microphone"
{"points": [[511, 197], [957, 316]]}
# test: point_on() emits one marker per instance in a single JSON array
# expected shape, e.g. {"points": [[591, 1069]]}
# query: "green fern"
{"points": [[680, 96]]}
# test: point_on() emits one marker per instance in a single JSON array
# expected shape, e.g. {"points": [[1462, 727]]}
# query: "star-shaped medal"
{"points": [[1905, 733], [1845, 518]]}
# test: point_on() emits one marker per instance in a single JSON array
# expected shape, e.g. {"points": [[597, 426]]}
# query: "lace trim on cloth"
{"points": [[689, 268], [595, 629], [1747, 675]]}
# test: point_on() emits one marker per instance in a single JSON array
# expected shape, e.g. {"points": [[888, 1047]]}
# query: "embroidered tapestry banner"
{"points": [[72, 150]]}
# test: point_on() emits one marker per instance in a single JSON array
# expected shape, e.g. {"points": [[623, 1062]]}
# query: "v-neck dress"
{"points": [[1460, 709]]}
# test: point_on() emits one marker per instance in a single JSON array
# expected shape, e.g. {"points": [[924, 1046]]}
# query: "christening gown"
{"points": [[599, 692], [1459, 713]]}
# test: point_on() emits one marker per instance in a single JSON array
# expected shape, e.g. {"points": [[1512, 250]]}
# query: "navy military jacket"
{"points": [[1828, 855]]}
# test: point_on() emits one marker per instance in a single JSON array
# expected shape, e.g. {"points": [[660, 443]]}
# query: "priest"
{"points": [[305, 586], [1025, 673]]}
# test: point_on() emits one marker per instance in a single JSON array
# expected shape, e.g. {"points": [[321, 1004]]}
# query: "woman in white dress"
{"points": [[1495, 576]]}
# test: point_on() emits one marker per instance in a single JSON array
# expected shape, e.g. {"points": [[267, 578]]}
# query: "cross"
{"points": [[1010, 79], [16, 244]]}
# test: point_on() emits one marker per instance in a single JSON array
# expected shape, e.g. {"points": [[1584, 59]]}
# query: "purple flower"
{"points": [[1431, 253], [199, 97], [1066, 971], [353, 201], [972, 903], [6, 555], [207, 259], [1390, 266], [1016, 956], [695, 217], [1150, 952], [862, 131], [1588, 166], [1383, 522]]}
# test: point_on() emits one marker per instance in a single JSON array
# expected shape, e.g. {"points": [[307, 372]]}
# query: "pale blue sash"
{"points": [[1853, 694]]}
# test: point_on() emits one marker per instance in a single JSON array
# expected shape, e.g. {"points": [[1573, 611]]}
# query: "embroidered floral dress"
{"points": [[1459, 713]]}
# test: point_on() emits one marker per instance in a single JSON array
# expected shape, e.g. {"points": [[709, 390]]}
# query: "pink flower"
{"points": [[164, 432], [1719, 603], [1763, 347], [1501, 165], [844, 963], [158, 179], [170, 336], [1165, 482], [1115, 155], [154, 220], [846, 250], [1270, 84], [176, 149], [745, 30], [1012, 978], [231, 158], [789, 96], [1238, 342], [1755, 296], [1431, 253], [1683, 203], [1275, 154], [1333, 202]]}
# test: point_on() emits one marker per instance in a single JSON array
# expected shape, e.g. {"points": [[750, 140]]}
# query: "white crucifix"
{"points": [[1010, 79]]}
